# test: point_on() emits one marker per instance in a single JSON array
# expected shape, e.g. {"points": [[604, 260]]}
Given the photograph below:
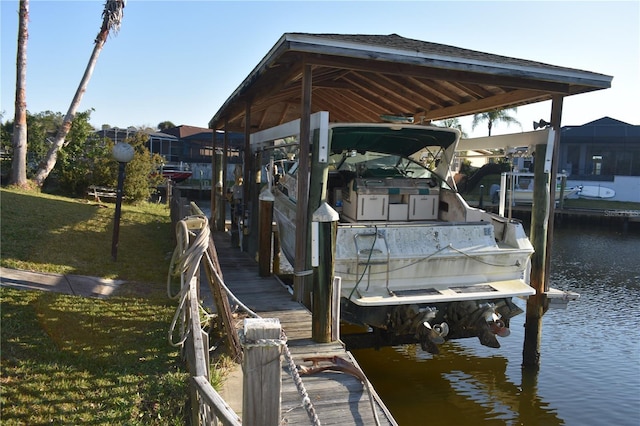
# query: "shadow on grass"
{"points": [[71, 360], [70, 236]]}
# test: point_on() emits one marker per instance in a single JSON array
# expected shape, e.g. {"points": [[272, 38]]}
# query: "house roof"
{"points": [[359, 78], [602, 130], [184, 131]]}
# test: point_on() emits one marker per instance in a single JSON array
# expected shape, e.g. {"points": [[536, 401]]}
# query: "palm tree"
{"points": [[111, 20], [19, 138], [495, 116], [165, 125]]}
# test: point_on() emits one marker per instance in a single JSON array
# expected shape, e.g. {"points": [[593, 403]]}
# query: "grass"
{"points": [[55, 234], [73, 360]]}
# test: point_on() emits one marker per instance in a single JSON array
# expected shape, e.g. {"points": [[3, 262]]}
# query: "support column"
{"points": [[541, 238], [302, 279], [323, 241]]}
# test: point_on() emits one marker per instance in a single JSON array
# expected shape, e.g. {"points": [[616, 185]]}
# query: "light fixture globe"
{"points": [[123, 152]]}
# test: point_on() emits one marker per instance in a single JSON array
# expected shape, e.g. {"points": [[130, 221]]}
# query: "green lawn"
{"points": [[73, 360]]}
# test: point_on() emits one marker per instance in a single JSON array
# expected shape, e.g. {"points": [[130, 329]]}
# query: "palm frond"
{"points": [[111, 18]]}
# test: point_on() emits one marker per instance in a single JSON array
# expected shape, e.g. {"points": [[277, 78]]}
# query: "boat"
{"points": [[416, 262], [595, 192], [522, 184], [176, 172]]}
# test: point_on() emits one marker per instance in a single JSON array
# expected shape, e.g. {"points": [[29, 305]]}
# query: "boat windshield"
{"points": [[379, 165]]}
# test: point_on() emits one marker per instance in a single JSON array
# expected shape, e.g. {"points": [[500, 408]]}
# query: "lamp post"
{"points": [[123, 153]]}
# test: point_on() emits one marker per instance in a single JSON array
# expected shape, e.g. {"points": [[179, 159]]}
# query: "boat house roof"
{"points": [[361, 78]]}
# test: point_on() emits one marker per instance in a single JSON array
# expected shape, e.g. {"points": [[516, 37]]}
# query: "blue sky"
{"points": [[180, 60]]}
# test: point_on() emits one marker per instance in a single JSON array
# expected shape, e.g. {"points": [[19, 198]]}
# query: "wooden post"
{"points": [[563, 183], [216, 181], [302, 280], [225, 157], [556, 117], [248, 160], [323, 241], [265, 226], [276, 251], [535, 303], [542, 215], [215, 201], [335, 308], [254, 215], [261, 366]]}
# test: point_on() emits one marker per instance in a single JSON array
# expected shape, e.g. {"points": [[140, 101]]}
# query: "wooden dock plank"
{"points": [[338, 398]]}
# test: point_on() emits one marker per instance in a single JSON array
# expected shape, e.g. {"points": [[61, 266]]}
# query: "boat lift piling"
{"points": [[265, 230], [302, 273], [542, 214], [324, 229]]}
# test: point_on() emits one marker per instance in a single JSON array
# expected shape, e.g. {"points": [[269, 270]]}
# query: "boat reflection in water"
{"points": [[456, 387]]}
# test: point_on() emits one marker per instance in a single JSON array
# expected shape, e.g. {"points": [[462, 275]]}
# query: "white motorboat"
{"points": [[522, 184], [415, 260]]}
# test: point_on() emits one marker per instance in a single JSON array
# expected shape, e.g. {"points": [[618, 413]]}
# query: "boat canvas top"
{"points": [[403, 140]]}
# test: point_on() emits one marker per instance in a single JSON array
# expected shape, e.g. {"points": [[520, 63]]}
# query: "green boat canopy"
{"points": [[400, 140]]}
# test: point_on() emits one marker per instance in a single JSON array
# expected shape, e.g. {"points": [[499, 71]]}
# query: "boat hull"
{"points": [[419, 263]]}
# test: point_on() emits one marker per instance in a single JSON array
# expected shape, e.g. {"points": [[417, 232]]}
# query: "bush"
{"points": [[142, 178]]}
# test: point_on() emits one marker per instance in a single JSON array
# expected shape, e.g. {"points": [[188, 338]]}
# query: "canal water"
{"points": [[590, 352]]}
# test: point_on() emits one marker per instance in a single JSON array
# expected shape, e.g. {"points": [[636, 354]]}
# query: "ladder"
{"points": [[371, 248]]}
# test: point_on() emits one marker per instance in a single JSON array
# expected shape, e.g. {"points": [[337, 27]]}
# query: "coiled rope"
{"points": [[185, 263]]}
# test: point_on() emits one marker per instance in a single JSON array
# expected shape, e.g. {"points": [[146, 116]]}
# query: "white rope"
{"points": [[185, 262]]}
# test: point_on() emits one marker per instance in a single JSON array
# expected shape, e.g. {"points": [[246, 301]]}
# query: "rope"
{"points": [[185, 262], [297, 380], [293, 370], [423, 259]]}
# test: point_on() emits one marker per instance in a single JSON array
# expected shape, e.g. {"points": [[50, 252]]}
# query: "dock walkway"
{"points": [[338, 398]]}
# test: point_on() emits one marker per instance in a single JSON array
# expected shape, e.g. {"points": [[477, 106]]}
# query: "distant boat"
{"points": [[592, 191], [176, 172], [523, 188]]}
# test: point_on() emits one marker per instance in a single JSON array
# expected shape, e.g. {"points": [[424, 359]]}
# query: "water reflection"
{"points": [[455, 387], [590, 362]]}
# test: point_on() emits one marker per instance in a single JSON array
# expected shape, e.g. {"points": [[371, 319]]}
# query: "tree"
{"points": [[495, 116], [111, 20], [19, 138], [79, 163], [165, 125], [142, 176]]}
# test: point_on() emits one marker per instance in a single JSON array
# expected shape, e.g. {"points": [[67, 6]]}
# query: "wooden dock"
{"points": [[338, 398]]}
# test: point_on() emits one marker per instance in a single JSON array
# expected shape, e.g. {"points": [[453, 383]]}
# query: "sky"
{"points": [[179, 61]]}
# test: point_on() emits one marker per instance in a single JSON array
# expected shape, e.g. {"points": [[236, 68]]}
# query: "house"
{"points": [[604, 152], [185, 145], [194, 147]]}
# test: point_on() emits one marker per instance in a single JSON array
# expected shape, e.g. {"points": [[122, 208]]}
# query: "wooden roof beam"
{"points": [[383, 96], [506, 100], [329, 100], [472, 75]]}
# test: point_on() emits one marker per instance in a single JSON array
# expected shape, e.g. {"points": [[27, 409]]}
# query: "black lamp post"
{"points": [[123, 153]]}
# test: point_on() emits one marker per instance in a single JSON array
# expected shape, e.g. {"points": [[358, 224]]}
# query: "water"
{"points": [[590, 353]]}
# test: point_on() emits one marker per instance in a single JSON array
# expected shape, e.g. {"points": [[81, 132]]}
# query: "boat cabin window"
{"points": [[369, 164]]}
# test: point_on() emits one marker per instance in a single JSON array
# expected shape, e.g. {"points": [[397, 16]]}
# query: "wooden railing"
{"points": [[207, 406]]}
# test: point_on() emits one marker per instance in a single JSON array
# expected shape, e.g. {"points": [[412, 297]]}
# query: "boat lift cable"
{"points": [[185, 262], [368, 266]]}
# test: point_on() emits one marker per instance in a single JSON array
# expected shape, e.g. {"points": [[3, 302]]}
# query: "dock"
{"points": [[337, 398]]}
